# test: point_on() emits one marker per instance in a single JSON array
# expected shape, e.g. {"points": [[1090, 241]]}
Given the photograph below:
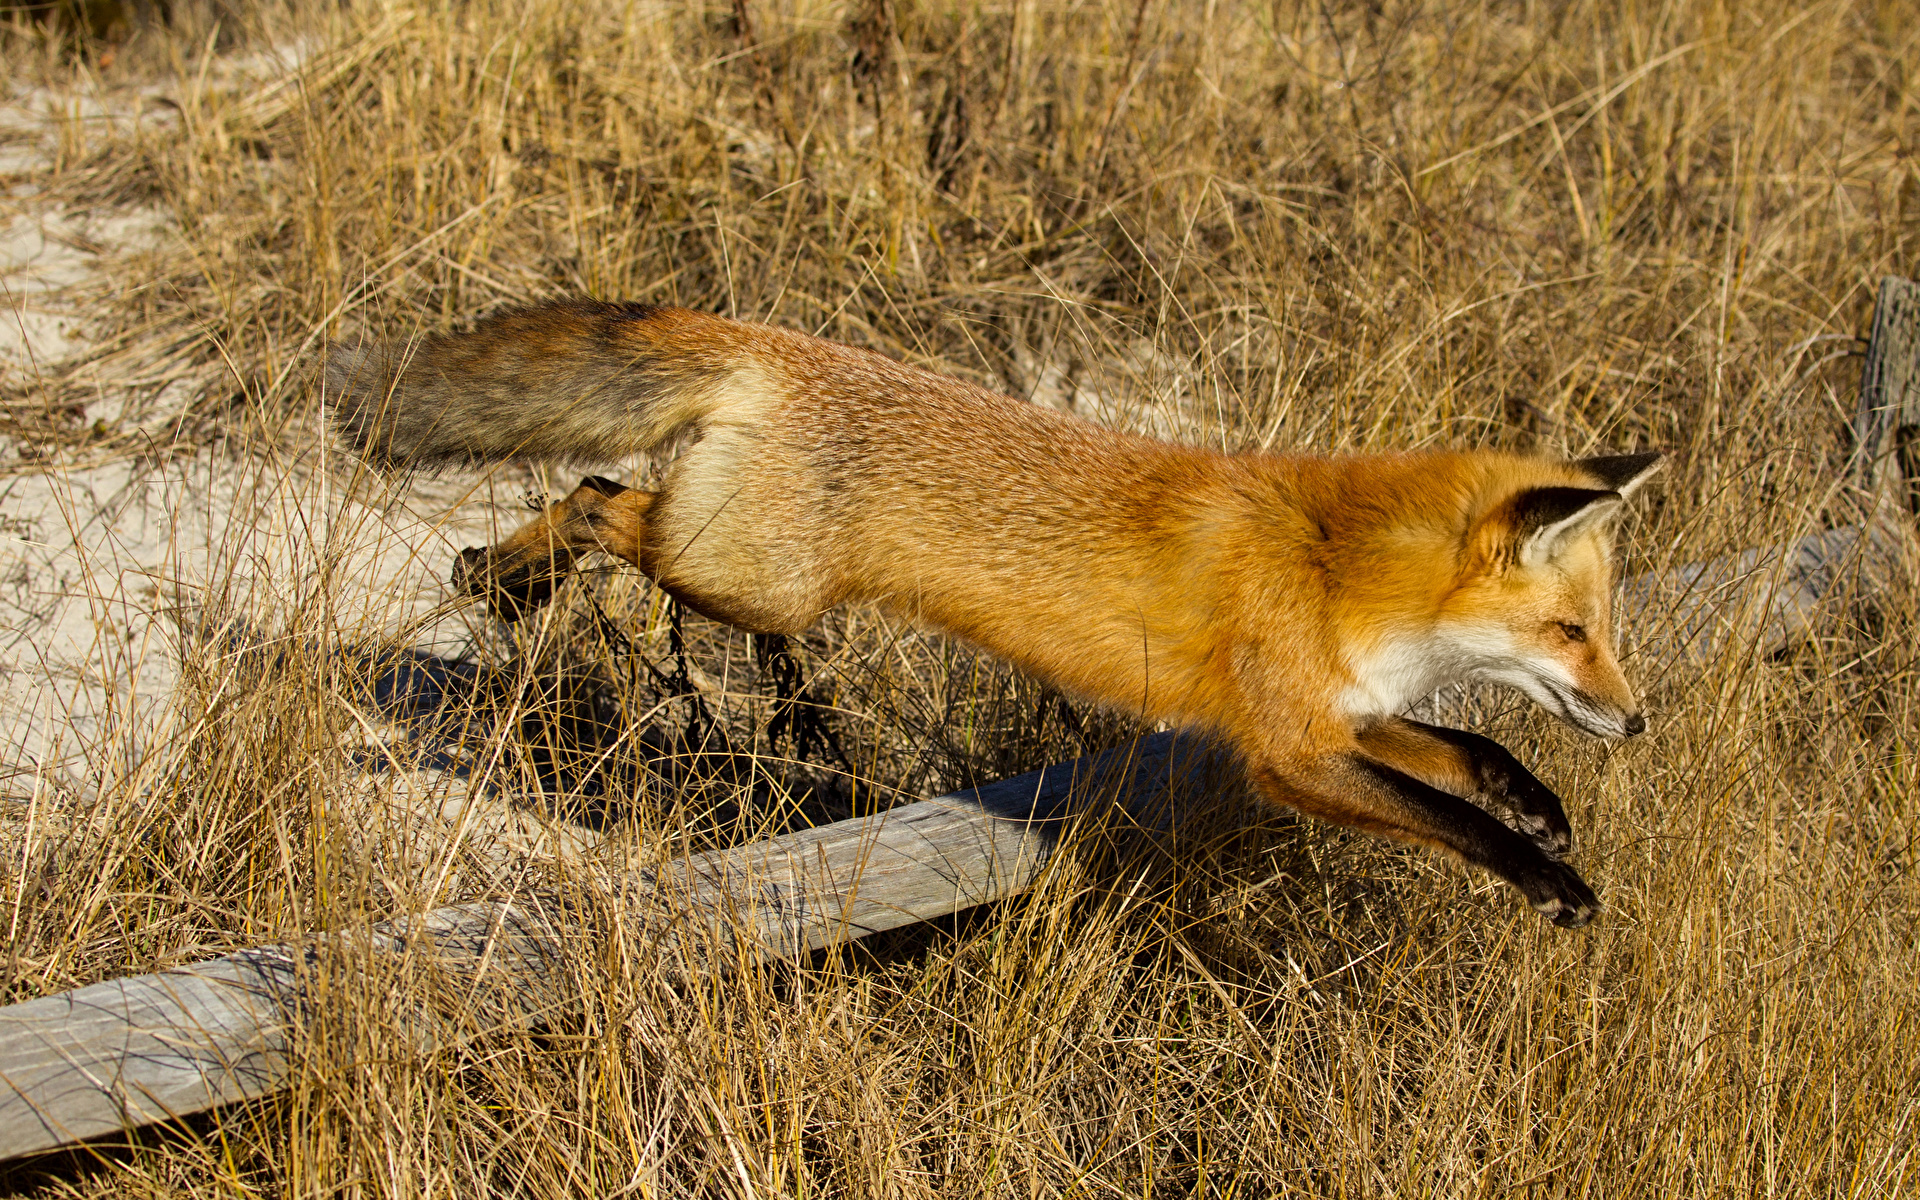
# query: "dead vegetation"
{"points": [[1576, 226]]}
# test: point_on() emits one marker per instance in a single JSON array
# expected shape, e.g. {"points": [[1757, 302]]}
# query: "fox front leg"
{"points": [[1469, 765], [1355, 790], [518, 575]]}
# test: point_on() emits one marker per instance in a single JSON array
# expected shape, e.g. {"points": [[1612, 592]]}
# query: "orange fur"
{"points": [[1292, 605]]}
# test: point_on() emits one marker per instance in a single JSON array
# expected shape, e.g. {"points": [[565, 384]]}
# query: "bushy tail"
{"points": [[575, 381]]}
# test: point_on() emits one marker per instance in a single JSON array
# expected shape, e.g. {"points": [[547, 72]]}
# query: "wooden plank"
{"points": [[137, 1051], [820, 887], [1759, 600], [131, 1052]]}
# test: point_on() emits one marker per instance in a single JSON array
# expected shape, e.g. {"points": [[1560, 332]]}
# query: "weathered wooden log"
{"points": [[132, 1052], [1758, 600]]}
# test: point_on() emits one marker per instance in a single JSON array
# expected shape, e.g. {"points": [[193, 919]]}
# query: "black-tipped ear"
{"points": [[1621, 472], [1541, 520]]}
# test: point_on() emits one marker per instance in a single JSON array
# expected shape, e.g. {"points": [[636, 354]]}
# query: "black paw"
{"points": [[1536, 812], [1559, 894], [1551, 838], [510, 595], [470, 570]]}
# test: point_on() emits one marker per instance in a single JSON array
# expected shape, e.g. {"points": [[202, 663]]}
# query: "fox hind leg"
{"points": [[518, 574]]}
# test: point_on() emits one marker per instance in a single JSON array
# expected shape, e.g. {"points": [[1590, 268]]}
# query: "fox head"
{"points": [[1533, 610]]}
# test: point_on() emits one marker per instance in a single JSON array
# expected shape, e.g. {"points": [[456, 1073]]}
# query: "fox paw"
{"points": [[1533, 810], [1552, 838], [1562, 896], [510, 595]]}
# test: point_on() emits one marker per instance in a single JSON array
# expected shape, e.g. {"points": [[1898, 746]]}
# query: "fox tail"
{"points": [[576, 381]]}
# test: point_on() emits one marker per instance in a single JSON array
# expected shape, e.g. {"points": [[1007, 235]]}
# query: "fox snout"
{"points": [[1599, 718], [1580, 681], [1577, 680], [1591, 691]]}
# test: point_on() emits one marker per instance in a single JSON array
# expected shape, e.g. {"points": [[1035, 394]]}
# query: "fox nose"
{"points": [[1634, 724]]}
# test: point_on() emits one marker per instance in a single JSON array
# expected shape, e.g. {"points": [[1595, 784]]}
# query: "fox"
{"points": [[1291, 606]]}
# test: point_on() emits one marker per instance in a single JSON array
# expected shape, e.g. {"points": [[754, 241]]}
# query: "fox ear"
{"points": [[1533, 527], [1622, 473]]}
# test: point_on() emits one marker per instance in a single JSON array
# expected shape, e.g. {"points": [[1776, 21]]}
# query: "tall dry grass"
{"points": [[1573, 226]]}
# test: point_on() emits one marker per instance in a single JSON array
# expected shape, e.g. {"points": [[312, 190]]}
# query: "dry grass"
{"points": [[1575, 226]]}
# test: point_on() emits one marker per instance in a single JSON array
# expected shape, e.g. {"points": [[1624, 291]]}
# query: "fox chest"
{"points": [[1389, 678]]}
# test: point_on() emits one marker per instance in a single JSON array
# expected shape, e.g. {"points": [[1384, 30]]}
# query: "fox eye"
{"points": [[1575, 633]]}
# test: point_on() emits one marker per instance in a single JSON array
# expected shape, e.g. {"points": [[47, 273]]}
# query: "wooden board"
{"points": [[131, 1052], [1759, 600], [844, 881], [137, 1051]]}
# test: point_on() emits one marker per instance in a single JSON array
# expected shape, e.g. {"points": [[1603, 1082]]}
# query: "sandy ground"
{"points": [[106, 567]]}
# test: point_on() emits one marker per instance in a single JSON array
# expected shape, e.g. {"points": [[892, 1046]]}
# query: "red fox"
{"points": [[1291, 605]]}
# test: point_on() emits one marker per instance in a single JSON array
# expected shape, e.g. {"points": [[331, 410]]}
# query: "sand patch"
{"points": [[111, 565]]}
